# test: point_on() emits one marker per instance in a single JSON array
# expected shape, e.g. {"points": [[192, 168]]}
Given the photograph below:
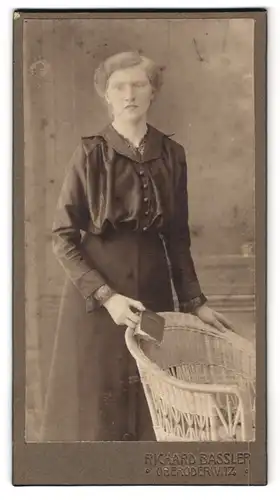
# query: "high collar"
{"points": [[153, 144]]}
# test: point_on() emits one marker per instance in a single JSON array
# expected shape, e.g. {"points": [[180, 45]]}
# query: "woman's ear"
{"points": [[106, 98], [153, 96], [109, 108]]}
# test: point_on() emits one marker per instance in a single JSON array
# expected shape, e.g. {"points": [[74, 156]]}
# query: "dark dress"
{"points": [[119, 215]]}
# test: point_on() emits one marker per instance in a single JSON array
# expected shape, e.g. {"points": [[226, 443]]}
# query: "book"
{"points": [[151, 326]]}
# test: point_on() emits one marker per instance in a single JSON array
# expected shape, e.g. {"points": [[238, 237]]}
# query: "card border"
{"points": [[124, 463]]}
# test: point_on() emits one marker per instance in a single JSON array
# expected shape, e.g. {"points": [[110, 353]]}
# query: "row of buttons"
{"points": [[146, 199]]}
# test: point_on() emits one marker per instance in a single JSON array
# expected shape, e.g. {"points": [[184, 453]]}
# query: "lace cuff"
{"points": [[192, 304], [103, 293], [98, 298]]}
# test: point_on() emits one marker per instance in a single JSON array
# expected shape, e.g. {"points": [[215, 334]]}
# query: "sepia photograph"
{"points": [[140, 212]]}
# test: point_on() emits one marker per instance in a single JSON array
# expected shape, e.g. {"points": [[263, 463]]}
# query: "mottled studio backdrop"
{"points": [[206, 102]]}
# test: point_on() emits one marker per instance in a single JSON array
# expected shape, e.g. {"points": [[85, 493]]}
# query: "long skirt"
{"points": [[94, 392]]}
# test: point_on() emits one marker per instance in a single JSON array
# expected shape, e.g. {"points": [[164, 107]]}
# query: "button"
{"points": [[145, 228], [145, 185], [145, 199], [141, 172], [147, 212]]}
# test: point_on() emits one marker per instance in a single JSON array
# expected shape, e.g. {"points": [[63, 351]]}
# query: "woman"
{"points": [[120, 227]]}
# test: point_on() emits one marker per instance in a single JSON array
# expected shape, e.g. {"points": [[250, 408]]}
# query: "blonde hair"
{"points": [[125, 60]]}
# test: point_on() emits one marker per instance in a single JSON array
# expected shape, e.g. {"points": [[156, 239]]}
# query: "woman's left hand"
{"points": [[213, 318]]}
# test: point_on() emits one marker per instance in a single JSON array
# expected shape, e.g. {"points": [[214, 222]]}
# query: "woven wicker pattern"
{"points": [[199, 383]]}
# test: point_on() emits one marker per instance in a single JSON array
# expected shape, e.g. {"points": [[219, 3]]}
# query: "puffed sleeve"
{"points": [[72, 217], [178, 242]]}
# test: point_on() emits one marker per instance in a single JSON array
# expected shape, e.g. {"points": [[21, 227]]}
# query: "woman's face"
{"points": [[129, 93]]}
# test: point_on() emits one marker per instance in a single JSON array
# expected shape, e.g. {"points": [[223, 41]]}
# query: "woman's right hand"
{"points": [[119, 308]]}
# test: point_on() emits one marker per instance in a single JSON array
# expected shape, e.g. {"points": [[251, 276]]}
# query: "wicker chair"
{"points": [[199, 383]]}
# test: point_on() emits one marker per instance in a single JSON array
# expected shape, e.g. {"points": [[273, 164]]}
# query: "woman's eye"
{"points": [[121, 86], [139, 84]]}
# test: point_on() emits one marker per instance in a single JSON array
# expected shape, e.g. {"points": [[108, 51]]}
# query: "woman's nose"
{"points": [[129, 93]]}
